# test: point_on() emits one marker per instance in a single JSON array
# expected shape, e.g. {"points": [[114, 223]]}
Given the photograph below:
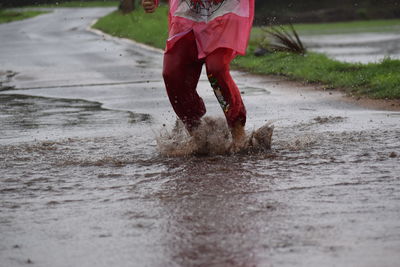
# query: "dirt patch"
{"points": [[379, 104]]}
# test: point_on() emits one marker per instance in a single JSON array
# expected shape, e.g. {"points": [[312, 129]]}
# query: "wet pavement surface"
{"points": [[82, 181], [356, 47]]}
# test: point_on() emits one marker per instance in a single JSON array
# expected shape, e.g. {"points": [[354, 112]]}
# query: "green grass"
{"points": [[80, 4], [10, 15], [375, 80], [151, 29], [379, 80]]}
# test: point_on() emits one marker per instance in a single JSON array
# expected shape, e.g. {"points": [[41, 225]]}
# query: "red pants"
{"points": [[181, 73]]}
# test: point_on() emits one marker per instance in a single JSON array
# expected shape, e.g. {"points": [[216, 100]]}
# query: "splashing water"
{"points": [[212, 137]]}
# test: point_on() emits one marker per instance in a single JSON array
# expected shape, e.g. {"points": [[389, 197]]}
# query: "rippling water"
{"points": [[114, 197]]}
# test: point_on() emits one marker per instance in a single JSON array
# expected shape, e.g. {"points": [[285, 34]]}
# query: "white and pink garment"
{"points": [[215, 23]]}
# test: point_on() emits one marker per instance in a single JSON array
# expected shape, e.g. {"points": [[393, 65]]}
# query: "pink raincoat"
{"points": [[215, 24]]}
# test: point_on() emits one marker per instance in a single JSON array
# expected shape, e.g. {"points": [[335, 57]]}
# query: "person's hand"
{"points": [[149, 6]]}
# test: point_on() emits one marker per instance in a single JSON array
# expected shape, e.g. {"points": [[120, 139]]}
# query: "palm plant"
{"points": [[284, 40]]}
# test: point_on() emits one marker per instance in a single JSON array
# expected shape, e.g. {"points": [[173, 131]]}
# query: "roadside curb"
{"points": [[377, 104], [108, 36]]}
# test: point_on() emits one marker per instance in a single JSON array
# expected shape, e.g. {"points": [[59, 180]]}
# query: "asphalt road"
{"points": [[356, 47]]}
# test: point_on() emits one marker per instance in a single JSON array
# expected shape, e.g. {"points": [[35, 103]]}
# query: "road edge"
{"points": [[375, 104], [109, 36]]}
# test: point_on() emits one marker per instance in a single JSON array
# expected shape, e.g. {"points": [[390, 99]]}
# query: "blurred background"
{"points": [[284, 11]]}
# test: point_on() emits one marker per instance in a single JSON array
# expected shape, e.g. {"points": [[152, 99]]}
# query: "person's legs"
{"points": [[181, 74], [226, 91]]}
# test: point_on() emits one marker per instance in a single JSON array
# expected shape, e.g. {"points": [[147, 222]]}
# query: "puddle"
{"points": [[23, 115]]}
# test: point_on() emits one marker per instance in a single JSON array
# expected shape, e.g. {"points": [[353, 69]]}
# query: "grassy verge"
{"points": [[378, 80], [151, 29], [10, 15], [375, 80], [80, 4]]}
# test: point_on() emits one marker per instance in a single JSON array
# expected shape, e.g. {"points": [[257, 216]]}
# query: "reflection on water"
{"points": [[211, 217], [21, 114], [307, 200]]}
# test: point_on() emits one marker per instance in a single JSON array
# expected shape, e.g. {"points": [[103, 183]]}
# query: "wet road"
{"points": [[83, 183], [356, 47]]}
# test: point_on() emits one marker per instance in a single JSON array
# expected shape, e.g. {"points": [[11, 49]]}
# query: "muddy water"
{"points": [[83, 182]]}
